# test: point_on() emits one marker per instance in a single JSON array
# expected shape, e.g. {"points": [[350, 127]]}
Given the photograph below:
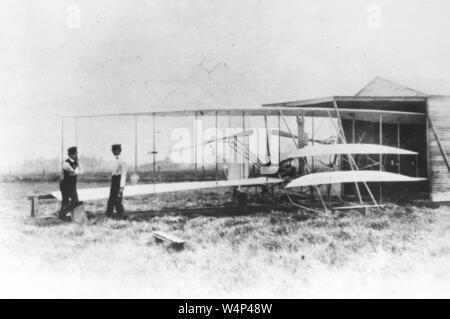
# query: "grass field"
{"points": [[399, 252]]}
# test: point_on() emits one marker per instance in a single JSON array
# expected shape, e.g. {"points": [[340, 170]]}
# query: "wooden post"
{"points": [[195, 145], [34, 206], [312, 138], [154, 146], [243, 142], [398, 145], [62, 142], [217, 164], [135, 142], [279, 140], [381, 156]]}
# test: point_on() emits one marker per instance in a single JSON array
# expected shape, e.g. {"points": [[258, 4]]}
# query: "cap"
{"points": [[72, 150], [116, 147]]}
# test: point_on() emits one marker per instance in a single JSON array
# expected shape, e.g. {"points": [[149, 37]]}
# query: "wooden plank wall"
{"points": [[439, 114]]}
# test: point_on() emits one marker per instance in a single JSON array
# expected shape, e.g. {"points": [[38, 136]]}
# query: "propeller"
{"points": [[281, 133], [240, 134], [330, 140]]}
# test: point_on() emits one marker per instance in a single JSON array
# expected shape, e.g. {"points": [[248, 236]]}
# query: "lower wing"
{"points": [[147, 189]]}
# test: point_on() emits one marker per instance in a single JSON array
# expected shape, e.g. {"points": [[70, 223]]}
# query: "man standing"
{"points": [[68, 185], [118, 178]]}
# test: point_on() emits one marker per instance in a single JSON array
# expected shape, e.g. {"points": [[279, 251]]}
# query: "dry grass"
{"points": [[399, 252]]}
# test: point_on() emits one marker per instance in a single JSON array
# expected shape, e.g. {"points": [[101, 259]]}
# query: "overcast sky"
{"points": [[129, 56]]}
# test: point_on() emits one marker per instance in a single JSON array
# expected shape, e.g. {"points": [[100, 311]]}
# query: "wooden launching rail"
{"points": [[350, 207], [80, 216]]}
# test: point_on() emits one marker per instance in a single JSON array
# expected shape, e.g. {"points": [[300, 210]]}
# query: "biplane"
{"points": [[310, 177]]}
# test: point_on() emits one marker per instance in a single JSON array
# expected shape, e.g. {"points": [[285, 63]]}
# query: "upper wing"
{"points": [[145, 189], [334, 149]]}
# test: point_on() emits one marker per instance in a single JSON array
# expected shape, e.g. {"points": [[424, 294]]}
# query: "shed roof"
{"points": [[382, 87]]}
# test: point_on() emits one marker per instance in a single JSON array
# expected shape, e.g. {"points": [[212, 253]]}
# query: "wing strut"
{"points": [[217, 164], [308, 170], [289, 129], [267, 139], [154, 146], [352, 160]]}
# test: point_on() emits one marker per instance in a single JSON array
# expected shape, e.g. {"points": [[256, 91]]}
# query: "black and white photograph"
{"points": [[224, 149]]}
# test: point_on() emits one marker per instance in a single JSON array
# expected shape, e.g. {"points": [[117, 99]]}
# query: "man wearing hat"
{"points": [[68, 185], [118, 178]]}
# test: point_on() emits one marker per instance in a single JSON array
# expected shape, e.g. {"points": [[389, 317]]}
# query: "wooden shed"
{"points": [[392, 114]]}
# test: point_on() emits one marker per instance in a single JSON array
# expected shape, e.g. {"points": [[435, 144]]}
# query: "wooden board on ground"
{"points": [[161, 236]]}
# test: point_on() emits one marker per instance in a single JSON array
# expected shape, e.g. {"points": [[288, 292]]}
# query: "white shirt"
{"points": [[68, 168], [120, 168]]}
